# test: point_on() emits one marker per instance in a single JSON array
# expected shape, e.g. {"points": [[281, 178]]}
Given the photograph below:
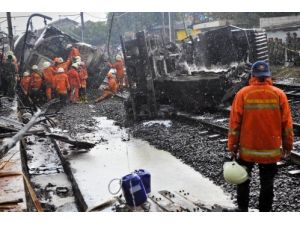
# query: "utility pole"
{"points": [[10, 31], [170, 33], [163, 24], [82, 25]]}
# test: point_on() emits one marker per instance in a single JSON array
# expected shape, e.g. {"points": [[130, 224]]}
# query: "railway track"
{"points": [[216, 127], [291, 90]]}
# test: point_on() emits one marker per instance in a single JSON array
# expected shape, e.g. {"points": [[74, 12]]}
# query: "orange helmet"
{"points": [[109, 76]]}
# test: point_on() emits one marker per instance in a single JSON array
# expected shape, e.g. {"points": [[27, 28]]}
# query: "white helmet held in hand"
{"points": [[60, 70], [46, 65], [234, 173], [34, 67]]}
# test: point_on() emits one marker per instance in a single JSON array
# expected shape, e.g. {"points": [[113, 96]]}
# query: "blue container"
{"points": [[146, 179], [133, 190]]}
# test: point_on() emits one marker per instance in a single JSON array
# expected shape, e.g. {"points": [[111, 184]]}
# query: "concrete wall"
{"points": [[217, 23], [278, 21]]}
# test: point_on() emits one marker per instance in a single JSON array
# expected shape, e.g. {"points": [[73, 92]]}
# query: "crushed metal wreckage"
{"points": [[204, 74]]}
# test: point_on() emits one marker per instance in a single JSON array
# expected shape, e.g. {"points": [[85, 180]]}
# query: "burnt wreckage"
{"points": [[48, 43], [205, 73]]}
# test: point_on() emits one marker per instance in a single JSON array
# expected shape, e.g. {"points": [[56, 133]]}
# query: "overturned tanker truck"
{"points": [[204, 73], [45, 44]]}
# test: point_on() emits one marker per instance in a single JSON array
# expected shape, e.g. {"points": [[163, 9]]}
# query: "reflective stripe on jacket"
{"points": [[260, 122]]}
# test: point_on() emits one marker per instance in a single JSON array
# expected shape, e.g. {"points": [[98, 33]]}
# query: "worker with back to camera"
{"points": [[260, 123], [74, 82], [35, 86], [120, 73], [73, 52], [110, 90], [48, 76], [61, 85], [25, 82]]}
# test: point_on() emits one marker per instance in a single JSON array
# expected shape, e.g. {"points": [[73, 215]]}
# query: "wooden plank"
{"points": [[165, 204], [184, 203]]}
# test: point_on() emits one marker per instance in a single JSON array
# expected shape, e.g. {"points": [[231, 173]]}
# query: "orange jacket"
{"points": [[36, 81], [25, 82], [74, 79], [48, 75], [65, 65], [73, 53], [119, 66], [61, 83], [260, 121], [112, 86], [83, 74]]}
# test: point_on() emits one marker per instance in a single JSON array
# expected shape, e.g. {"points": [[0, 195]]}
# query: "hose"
{"points": [[109, 189]]}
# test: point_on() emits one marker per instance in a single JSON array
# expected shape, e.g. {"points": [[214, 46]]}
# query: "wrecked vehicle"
{"points": [[45, 44], [204, 77]]}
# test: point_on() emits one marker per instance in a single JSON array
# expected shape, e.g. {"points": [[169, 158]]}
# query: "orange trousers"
{"points": [[49, 93], [74, 94]]}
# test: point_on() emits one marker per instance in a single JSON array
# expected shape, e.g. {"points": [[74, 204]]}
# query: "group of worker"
{"points": [[280, 52], [63, 79]]}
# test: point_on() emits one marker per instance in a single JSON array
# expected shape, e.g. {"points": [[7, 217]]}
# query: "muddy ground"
{"points": [[184, 141]]}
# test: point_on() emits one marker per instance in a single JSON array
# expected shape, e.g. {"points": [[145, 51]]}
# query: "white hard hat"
{"points": [[25, 74], [78, 58], [46, 64], [234, 173], [75, 65], [60, 60], [69, 45], [60, 70], [9, 53], [35, 67], [118, 57]]}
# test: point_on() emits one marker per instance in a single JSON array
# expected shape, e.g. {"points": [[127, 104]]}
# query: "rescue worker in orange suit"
{"points": [[74, 81], [61, 85], [73, 52], [25, 82], [260, 123], [83, 74], [35, 86], [48, 76], [109, 90], [119, 66], [64, 64]]}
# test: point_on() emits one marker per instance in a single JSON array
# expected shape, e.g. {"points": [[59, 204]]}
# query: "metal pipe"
{"points": [[25, 38], [10, 32]]}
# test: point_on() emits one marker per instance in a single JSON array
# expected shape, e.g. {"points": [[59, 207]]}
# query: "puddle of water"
{"points": [[116, 158]]}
